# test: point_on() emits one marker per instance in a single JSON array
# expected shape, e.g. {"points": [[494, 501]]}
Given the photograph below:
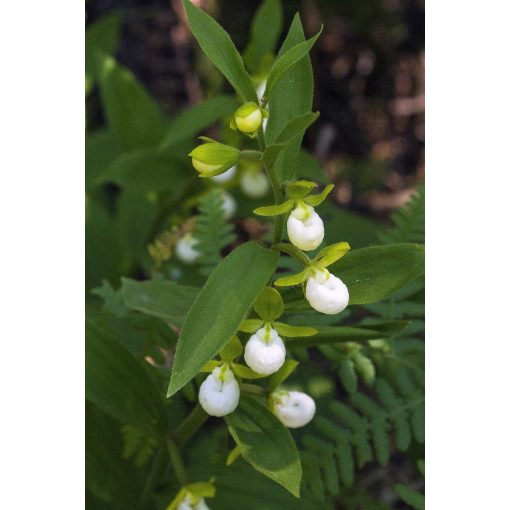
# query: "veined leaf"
{"points": [[285, 61], [119, 386], [269, 304], [220, 308], [193, 120], [266, 443], [375, 273], [265, 29], [291, 97], [293, 331], [220, 50], [162, 299]]}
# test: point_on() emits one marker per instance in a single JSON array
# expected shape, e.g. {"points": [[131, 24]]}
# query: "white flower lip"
{"points": [[185, 249], [265, 351], [229, 205], [293, 408], [327, 293], [305, 228], [219, 393]]}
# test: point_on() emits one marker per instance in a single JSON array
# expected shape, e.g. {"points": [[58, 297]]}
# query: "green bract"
{"points": [[213, 158]]}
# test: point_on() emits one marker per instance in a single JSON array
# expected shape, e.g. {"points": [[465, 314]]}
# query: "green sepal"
{"points": [[289, 331], [201, 489], [299, 189], [207, 139], [269, 304], [285, 371], [211, 365], [275, 210], [233, 455], [331, 254], [315, 200], [245, 372], [295, 279], [250, 325], [232, 350]]}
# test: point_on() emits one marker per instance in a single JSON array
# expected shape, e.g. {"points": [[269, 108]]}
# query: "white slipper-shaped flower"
{"points": [[293, 408], [219, 393], [254, 183], [326, 293], [305, 228], [265, 352], [229, 205], [185, 249]]}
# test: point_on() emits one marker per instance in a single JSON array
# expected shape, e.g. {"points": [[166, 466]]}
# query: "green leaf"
{"points": [[201, 489], [158, 298], [289, 331], [265, 29], [100, 150], [315, 200], [266, 444], [410, 496], [220, 50], [233, 455], [250, 325], [291, 97], [232, 350], [103, 34], [275, 210], [375, 273], [364, 366], [246, 372], [285, 371], [347, 375], [337, 334], [117, 384], [133, 115], [299, 189], [285, 61], [271, 154], [295, 127], [219, 309], [269, 304], [193, 120]]}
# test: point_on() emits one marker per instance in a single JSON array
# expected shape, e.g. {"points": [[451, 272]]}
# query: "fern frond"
{"points": [[408, 221], [360, 430], [138, 446], [212, 231]]}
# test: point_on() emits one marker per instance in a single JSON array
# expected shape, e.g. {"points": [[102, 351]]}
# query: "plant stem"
{"points": [[195, 419], [176, 460], [293, 252], [151, 479], [247, 154]]}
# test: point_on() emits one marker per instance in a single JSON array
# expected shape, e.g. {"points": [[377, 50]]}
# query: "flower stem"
{"points": [[293, 252], [248, 154], [177, 462], [190, 425]]}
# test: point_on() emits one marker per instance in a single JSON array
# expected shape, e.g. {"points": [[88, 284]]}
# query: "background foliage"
{"points": [[150, 92]]}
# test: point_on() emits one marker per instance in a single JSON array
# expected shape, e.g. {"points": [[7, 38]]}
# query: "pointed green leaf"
{"points": [[413, 498], [295, 127], [233, 455], [201, 489], [269, 304], [193, 120], [289, 331], [285, 371], [299, 189], [266, 443], [375, 273], [219, 309], [271, 154], [220, 50], [275, 210], [285, 61], [315, 200]]}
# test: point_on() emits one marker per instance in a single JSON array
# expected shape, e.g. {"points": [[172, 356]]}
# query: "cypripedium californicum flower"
{"points": [[265, 352], [185, 249], [213, 158], [254, 182], [229, 205], [326, 293], [248, 118], [219, 393], [293, 408], [305, 227]]}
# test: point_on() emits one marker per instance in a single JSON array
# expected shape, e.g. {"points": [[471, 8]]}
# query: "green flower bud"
{"points": [[213, 158], [248, 118]]}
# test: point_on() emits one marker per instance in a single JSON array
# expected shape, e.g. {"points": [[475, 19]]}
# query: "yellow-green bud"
{"points": [[248, 118], [213, 158]]}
